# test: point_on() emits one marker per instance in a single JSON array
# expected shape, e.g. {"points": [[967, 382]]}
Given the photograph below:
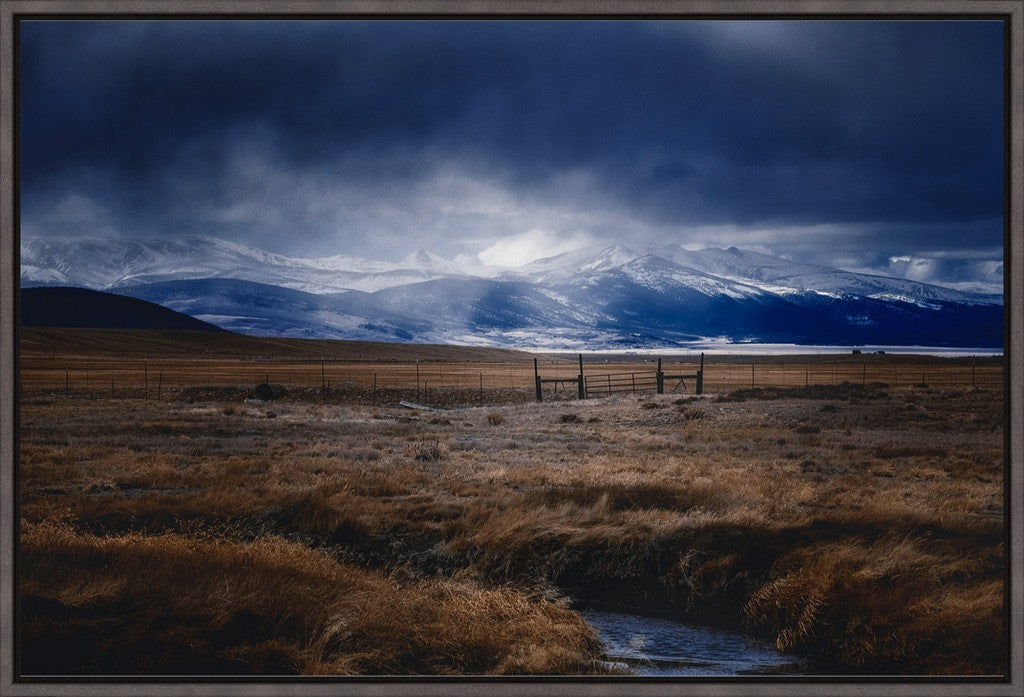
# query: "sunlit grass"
{"points": [[850, 524]]}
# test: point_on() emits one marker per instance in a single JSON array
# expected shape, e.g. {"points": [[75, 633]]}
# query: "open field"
{"points": [[858, 525], [154, 364]]}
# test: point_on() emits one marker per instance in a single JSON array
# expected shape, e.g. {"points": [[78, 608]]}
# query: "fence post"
{"points": [[609, 384], [863, 373], [481, 389], [160, 384], [581, 386], [751, 374], [418, 380], [536, 382], [145, 379], [700, 376], [375, 389], [632, 376], [973, 383], [660, 379]]}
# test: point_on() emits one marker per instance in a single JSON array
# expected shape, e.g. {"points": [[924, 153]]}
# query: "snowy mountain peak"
{"points": [[609, 258], [606, 295], [427, 261], [603, 285], [423, 256]]}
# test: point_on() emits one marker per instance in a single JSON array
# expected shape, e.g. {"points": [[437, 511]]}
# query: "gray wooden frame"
{"points": [[1012, 10]]}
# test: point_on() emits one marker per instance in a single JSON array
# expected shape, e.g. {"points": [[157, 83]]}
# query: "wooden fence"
{"points": [[608, 384]]}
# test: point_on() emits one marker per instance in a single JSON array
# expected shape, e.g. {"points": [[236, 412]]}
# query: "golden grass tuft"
{"points": [[136, 604], [886, 605]]}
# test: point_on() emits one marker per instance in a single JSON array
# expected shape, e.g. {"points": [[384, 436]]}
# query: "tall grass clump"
{"points": [[167, 604], [893, 607]]}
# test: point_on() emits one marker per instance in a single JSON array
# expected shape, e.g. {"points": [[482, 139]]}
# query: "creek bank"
{"points": [[657, 647], [702, 582], [707, 576]]}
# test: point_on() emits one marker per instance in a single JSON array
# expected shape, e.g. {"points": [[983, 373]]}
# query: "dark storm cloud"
{"points": [[361, 137]]}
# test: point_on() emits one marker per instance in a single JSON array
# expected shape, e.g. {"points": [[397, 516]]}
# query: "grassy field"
{"points": [[859, 524], [156, 363]]}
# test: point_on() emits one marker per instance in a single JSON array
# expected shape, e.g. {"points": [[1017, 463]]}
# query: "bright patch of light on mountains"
{"points": [[519, 250]]}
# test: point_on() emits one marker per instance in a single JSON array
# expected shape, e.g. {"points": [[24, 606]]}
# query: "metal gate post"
{"points": [[700, 376]]}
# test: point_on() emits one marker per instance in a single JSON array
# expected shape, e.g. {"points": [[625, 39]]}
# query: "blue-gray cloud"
{"points": [[808, 138]]}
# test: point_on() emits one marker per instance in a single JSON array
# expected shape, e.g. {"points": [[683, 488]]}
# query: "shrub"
{"points": [[430, 453], [495, 418], [690, 413]]}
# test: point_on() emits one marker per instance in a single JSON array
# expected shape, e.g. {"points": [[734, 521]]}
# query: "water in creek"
{"points": [[657, 647]]}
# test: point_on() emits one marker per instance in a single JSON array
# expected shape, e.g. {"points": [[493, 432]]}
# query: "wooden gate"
{"points": [[607, 384], [618, 383], [698, 376]]}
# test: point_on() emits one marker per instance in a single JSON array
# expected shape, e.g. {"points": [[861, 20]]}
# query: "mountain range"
{"points": [[598, 297]]}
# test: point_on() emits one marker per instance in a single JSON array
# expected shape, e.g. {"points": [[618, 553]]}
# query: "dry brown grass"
{"points": [[849, 523], [885, 603], [167, 604], [143, 363]]}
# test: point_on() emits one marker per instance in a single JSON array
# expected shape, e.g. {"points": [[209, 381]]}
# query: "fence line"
{"points": [[155, 378]]}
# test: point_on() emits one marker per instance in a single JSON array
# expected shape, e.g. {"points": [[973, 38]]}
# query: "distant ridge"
{"points": [[91, 309], [597, 298], [164, 343]]}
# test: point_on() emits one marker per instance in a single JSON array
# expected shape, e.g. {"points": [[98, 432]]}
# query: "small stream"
{"points": [[657, 647]]}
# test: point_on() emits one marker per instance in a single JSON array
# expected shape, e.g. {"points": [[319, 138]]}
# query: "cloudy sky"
{"points": [[861, 144]]}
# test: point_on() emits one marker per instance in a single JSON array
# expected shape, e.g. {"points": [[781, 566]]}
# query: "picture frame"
{"points": [[1010, 11]]}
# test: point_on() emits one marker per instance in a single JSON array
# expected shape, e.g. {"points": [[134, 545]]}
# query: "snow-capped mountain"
{"points": [[610, 296], [113, 264], [784, 276], [568, 264]]}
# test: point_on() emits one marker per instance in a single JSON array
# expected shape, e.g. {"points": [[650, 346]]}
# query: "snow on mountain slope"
{"points": [[111, 264], [661, 274], [430, 263], [563, 266], [650, 295], [781, 275]]}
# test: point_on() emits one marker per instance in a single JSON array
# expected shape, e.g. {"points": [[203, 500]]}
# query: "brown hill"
{"points": [[168, 343]]}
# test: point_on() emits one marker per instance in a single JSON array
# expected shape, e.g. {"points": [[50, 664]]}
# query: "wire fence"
{"points": [[469, 381]]}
